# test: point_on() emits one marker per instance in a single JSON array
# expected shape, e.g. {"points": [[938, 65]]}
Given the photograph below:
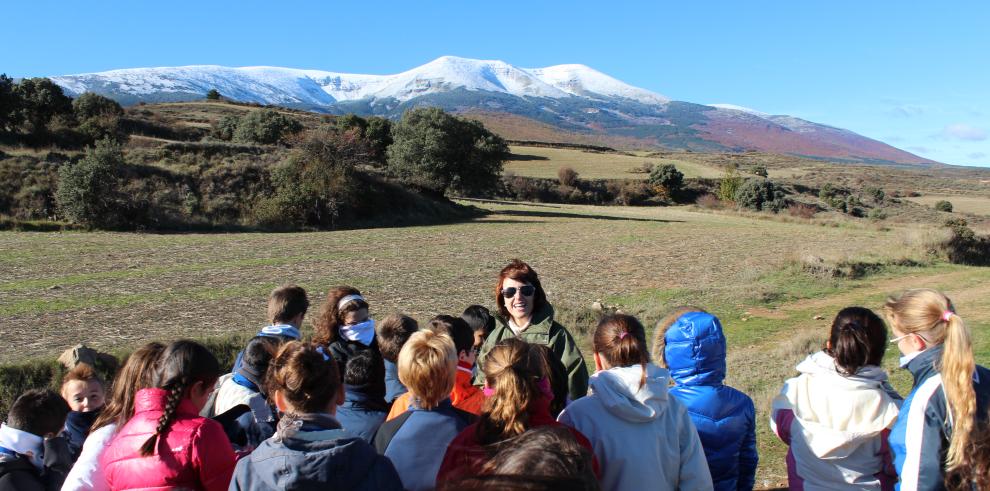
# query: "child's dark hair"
{"points": [[39, 412], [331, 317], [137, 373], [621, 340], [455, 327], [183, 364], [364, 369], [286, 303], [480, 319], [858, 338], [393, 332], [542, 458], [306, 379], [257, 357]]}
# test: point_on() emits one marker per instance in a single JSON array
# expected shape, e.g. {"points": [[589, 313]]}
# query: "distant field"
{"points": [[545, 162], [977, 205], [115, 290]]}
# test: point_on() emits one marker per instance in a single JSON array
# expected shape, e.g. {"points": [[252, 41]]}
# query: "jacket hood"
{"points": [[837, 413], [619, 391], [327, 459], [695, 349]]}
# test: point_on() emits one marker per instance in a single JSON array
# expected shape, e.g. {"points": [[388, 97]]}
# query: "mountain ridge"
{"points": [[572, 97]]}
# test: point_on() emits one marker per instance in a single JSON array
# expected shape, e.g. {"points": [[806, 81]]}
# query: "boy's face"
{"points": [[479, 339], [83, 395]]}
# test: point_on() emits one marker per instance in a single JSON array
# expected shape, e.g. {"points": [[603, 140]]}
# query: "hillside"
{"points": [[573, 99]]}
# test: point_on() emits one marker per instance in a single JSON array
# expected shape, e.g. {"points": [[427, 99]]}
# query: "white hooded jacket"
{"points": [[642, 437], [836, 434]]}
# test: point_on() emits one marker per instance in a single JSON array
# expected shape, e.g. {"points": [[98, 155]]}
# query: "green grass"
{"points": [[545, 162]]}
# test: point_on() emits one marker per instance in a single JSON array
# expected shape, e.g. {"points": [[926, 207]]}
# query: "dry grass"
{"points": [[545, 162], [976, 205]]}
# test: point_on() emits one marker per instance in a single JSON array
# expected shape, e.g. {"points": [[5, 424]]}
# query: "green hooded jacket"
{"points": [[544, 330]]}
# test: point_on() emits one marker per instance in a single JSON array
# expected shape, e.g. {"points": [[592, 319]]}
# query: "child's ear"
{"points": [[280, 401], [598, 362]]}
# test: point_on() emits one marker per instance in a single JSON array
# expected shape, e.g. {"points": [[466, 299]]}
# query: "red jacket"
{"points": [[195, 453], [466, 455]]}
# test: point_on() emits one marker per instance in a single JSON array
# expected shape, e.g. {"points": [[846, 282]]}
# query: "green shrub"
{"points": [[760, 194], [943, 205], [87, 191], [265, 126], [567, 176], [759, 170], [213, 95], [40, 100], [876, 194], [434, 150], [729, 185], [878, 214], [666, 181]]}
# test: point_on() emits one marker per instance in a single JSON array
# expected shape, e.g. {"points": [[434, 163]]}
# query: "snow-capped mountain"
{"points": [[576, 99]]}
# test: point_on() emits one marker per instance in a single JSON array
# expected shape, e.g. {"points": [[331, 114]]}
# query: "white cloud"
{"points": [[962, 131]]}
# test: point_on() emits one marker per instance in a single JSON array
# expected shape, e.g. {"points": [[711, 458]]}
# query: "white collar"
{"points": [[23, 443], [518, 329]]}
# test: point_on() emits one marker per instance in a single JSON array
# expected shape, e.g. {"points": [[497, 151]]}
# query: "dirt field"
{"points": [[115, 290]]}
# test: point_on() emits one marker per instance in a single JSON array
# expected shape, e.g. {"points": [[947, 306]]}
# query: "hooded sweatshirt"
{"points": [[642, 437], [694, 350], [836, 426]]}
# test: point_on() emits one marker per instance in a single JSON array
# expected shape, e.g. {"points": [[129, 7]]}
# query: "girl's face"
{"points": [[355, 317], [520, 306], [83, 395]]}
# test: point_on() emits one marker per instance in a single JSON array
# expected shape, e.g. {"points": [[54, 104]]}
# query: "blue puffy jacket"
{"points": [[725, 417]]}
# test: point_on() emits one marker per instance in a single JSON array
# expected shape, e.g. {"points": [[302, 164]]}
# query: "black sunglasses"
{"points": [[526, 290]]}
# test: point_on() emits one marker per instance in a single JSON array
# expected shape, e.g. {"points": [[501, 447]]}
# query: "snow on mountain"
{"points": [[582, 81], [734, 107]]}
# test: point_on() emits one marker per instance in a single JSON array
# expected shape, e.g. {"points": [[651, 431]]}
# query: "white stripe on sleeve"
{"points": [[914, 431]]}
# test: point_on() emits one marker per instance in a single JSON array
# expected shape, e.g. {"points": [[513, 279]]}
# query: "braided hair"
{"points": [[858, 339], [183, 364]]}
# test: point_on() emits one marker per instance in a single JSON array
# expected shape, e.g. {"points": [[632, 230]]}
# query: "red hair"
{"points": [[522, 272]]}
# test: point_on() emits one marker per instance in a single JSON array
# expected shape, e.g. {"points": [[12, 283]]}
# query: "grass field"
{"points": [[115, 290], [977, 205], [545, 162]]}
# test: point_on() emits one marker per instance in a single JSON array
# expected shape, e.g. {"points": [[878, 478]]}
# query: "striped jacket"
{"points": [[920, 437]]}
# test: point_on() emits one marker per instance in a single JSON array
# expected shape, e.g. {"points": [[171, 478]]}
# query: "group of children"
{"points": [[505, 401]]}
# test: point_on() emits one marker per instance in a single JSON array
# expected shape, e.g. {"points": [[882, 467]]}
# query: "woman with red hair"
{"points": [[524, 313]]}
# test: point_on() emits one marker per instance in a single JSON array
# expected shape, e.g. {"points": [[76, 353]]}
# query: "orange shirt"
{"points": [[463, 396]]}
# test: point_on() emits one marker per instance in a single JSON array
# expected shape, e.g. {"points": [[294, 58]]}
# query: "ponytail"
{"points": [[183, 364], [957, 378], [930, 313], [513, 370], [621, 340]]}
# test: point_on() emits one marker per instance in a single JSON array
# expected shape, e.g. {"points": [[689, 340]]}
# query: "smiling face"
{"points": [[83, 395], [519, 306]]}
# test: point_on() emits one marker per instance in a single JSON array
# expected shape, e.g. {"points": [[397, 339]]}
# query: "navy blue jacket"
{"points": [[920, 437], [417, 440], [324, 457], [393, 388], [77, 425], [360, 415], [725, 417]]}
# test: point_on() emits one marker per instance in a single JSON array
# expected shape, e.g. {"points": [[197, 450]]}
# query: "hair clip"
{"points": [[947, 315], [623, 334]]}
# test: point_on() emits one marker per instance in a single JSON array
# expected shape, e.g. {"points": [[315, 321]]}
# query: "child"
{"points": [[392, 333], [951, 394], [31, 456], [361, 413], [416, 440], [310, 450], [343, 327], [463, 396], [240, 402], [689, 343], [837, 414], [83, 390], [544, 458], [643, 437], [287, 306], [167, 443], [481, 321], [518, 396], [138, 373]]}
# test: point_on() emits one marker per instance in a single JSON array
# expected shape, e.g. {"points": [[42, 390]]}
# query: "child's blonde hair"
{"points": [[930, 314], [428, 367], [513, 369]]}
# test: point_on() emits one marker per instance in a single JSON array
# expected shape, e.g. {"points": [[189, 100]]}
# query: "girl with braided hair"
{"points": [[167, 444], [836, 415]]}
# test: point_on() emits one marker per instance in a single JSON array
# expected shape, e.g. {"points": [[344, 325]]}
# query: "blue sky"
{"points": [[912, 74]]}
